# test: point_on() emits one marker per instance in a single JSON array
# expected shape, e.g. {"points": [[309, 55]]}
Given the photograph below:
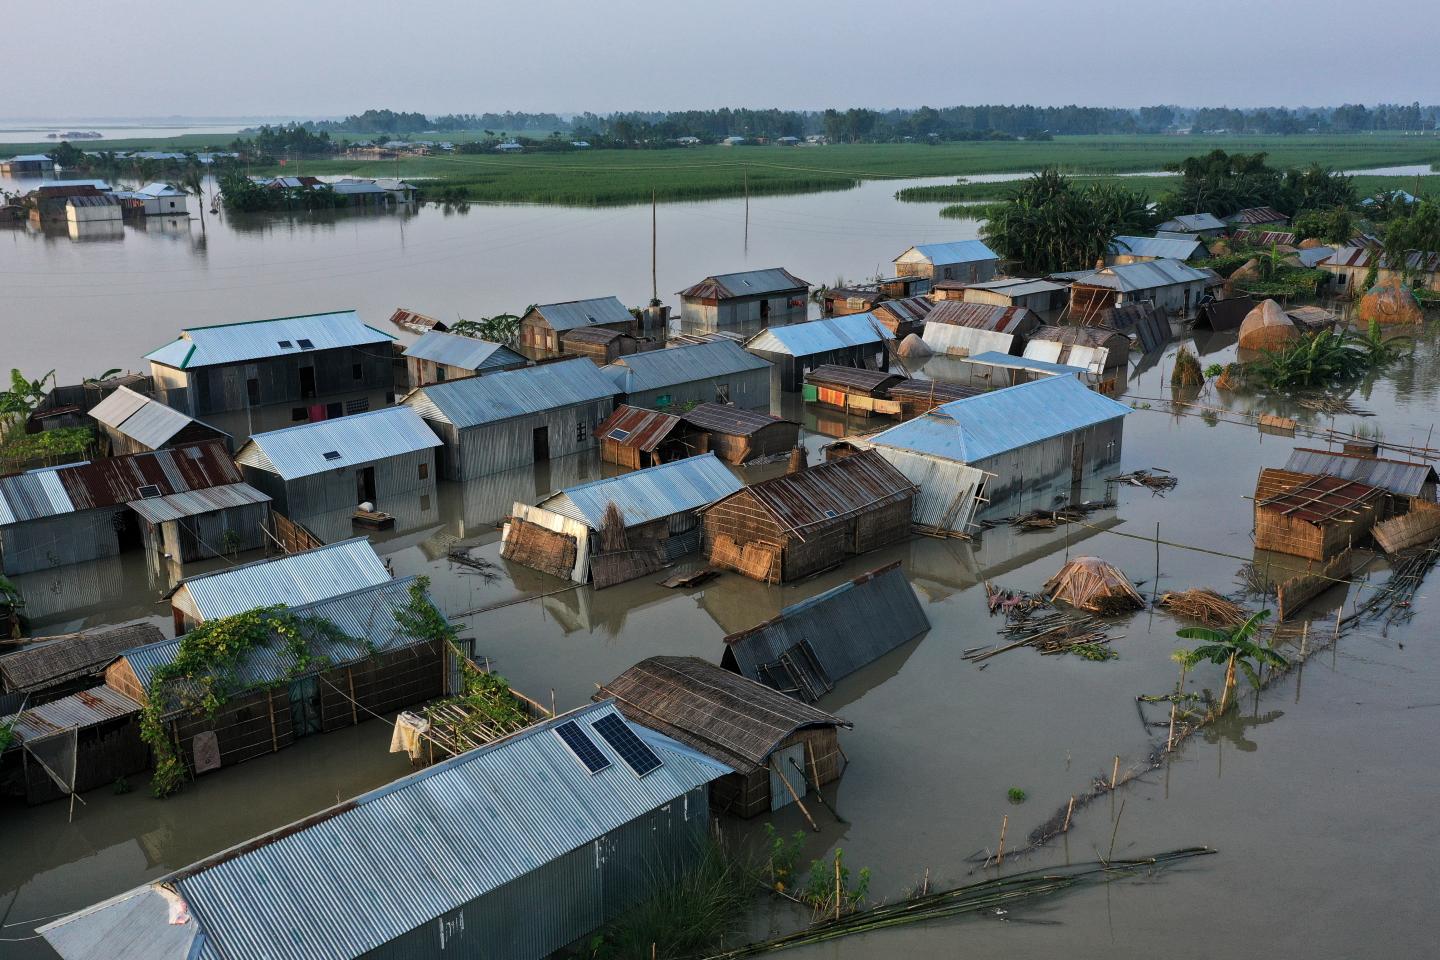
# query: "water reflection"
{"points": [[78, 595]]}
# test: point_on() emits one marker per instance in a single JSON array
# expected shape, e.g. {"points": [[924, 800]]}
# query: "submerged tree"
{"points": [[503, 328], [1233, 648], [1048, 223]]}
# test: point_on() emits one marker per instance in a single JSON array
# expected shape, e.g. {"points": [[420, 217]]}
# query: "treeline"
{"points": [[402, 124]]}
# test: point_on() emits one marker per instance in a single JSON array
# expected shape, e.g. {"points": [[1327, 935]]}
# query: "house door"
{"points": [[764, 312], [305, 706], [541, 442], [307, 382], [365, 485], [1077, 463], [783, 763]]}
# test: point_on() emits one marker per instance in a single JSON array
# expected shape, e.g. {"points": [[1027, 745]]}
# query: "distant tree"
{"points": [[1336, 225], [1048, 223], [1419, 230], [69, 156]]}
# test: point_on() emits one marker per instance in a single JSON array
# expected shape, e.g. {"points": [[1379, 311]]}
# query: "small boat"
{"points": [[416, 322]]}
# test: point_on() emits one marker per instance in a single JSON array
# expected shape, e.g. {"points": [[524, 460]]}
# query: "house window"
{"points": [[357, 371], [389, 399], [722, 393], [439, 373], [424, 503], [333, 410], [1339, 279], [298, 414], [425, 470], [580, 432], [663, 400], [357, 406]]}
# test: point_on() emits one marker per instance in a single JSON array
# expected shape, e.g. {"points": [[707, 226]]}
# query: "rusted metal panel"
{"points": [[119, 480], [79, 710], [1322, 500], [832, 492], [728, 420], [852, 379], [747, 283], [636, 427]]}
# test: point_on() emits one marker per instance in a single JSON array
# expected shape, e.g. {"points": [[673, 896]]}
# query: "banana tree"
{"points": [[1237, 648]]}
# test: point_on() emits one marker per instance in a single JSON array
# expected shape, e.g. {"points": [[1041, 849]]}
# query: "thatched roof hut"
{"points": [[1390, 304], [72, 661], [1089, 583], [1267, 327], [748, 726]]}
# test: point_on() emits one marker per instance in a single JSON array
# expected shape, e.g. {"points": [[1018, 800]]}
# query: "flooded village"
{"points": [[844, 606]]}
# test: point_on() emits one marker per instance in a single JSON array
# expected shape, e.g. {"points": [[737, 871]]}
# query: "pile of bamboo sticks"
{"points": [[1057, 633]]}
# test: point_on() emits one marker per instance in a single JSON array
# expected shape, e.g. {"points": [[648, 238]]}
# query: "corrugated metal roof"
{"points": [[117, 480], [32, 496], [994, 358], [347, 880], [467, 353], [746, 283], [730, 420], [957, 251], [143, 419], [1396, 476], [656, 369], [1320, 501], [820, 336], [831, 492], [1265, 237], [983, 316], [845, 627], [366, 617], [1193, 222], [855, 379], [193, 503], [161, 190], [83, 709], [1309, 258], [947, 489], [1175, 249], [637, 427], [95, 200], [906, 309], [644, 495], [584, 313], [1017, 286], [260, 339], [942, 391], [1361, 255], [294, 579], [512, 393], [1258, 215], [977, 428], [120, 404], [1129, 277], [311, 448]]}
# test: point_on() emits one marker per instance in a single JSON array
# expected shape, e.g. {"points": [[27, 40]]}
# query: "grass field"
{"points": [[604, 177]]}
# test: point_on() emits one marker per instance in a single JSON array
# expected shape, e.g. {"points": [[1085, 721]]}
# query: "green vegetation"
{"points": [[24, 394], [1050, 224], [1223, 182], [1419, 230], [1325, 358], [1233, 648], [503, 328], [243, 195], [1015, 795], [21, 451]]}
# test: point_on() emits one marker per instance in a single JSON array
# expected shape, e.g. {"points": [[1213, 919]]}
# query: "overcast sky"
{"points": [[97, 58]]}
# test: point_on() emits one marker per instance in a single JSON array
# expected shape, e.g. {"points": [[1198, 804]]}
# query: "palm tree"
{"points": [[1234, 648], [193, 179]]}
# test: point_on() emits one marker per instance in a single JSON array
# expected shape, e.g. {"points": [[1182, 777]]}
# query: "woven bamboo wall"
{"points": [[391, 681]]}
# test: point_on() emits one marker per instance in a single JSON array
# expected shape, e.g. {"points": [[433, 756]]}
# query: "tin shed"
{"points": [[546, 835], [543, 325], [968, 260], [135, 423], [739, 436], [439, 356], [742, 299], [635, 437], [856, 340], [758, 732], [960, 329], [813, 644], [719, 371]]}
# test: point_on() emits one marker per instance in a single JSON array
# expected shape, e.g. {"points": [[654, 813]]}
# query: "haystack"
{"points": [[1206, 606], [1390, 304], [1089, 583], [1310, 243], [1188, 372], [1267, 327], [1249, 270], [913, 346]]}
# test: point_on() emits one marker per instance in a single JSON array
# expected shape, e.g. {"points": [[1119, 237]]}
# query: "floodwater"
{"points": [[1317, 796], [22, 131]]}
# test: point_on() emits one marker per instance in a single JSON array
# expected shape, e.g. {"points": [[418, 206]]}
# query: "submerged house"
{"points": [[969, 261], [439, 356], [246, 378], [948, 492], [600, 344], [750, 297], [738, 436], [1036, 440], [1172, 286], [636, 438], [79, 742], [852, 389], [798, 524], [28, 165], [556, 830], [857, 340], [1314, 517], [567, 534], [1044, 298], [161, 199], [904, 316], [858, 298], [71, 514], [322, 468], [959, 328], [292, 580], [131, 422], [815, 643], [716, 372], [1350, 265], [1402, 480], [368, 664], [1093, 347], [542, 326], [516, 417], [764, 736]]}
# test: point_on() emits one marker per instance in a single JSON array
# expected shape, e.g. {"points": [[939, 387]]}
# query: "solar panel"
{"points": [[582, 746], [306, 344], [618, 434], [148, 491], [331, 454], [284, 344], [632, 749]]}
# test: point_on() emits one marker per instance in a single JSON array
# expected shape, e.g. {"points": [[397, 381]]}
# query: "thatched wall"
{"points": [[744, 796]]}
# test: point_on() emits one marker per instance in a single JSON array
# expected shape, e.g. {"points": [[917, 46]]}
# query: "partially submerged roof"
{"points": [[746, 283], [1146, 275], [475, 401], [143, 419], [958, 251], [852, 378], [1396, 476], [310, 448], [394, 858], [720, 713], [983, 316], [838, 632], [87, 708], [1321, 501], [1173, 248], [831, 492], [195, 503], [56, 660], [905, 309], [657, 369], [637, 427], [987, 424], [263, 339], [294, 579], [572, 314], [940, 391], [1225, 314], [821, 336], [994, 358], [466, 353], [1008, 286], [644, 495], [730, 420]]}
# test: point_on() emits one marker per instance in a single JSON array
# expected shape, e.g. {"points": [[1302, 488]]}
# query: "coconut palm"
{"points": [[1234, 648]]}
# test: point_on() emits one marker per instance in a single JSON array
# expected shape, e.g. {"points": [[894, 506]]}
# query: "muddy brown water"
{"points": [[1318, 796]]}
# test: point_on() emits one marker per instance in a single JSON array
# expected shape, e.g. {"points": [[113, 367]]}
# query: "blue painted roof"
{"points": [[1175, 248], [957, 251], [574, 314], [475, 401], [976, 428], [365, 872], [260, 339], [821, 336], [300, 451], [994, 358], [295, 578], [648, 494], [466, 353], [655, 369]]}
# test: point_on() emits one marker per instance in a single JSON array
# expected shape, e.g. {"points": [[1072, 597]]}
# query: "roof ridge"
{"points": [[256, 563], [298, 316]]}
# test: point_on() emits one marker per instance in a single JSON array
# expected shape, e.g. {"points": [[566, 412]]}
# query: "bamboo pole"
{"points": [[354, 710], [1068, 811], [1000, 853], [794, 796], [837, 883], [1114, 772], [1109, 856], [274, 735]]}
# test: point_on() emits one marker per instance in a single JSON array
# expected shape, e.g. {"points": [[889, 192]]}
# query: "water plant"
{"points": [[1326, 357], [1015, 795]]}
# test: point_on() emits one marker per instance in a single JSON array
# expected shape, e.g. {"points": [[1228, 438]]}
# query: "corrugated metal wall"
{"points": [[492, 448], [749, 389], [203, 536], [322, 493], [1031, 477], [56, 541]]}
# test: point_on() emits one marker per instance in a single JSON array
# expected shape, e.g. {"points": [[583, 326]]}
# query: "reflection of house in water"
{"points": [[82, 594], [88, 231], [486, 501]]}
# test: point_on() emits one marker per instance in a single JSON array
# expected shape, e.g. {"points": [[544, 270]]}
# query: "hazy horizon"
{"points": [[560, 56]]}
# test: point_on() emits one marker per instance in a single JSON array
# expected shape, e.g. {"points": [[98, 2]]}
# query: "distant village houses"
{"points": [[744, 300], [970, 261]]}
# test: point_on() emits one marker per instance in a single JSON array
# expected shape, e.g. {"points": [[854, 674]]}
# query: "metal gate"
{"points": [[787, 762], [305, 706]]}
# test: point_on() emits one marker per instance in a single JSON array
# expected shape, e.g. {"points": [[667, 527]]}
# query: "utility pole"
{"points": [[654, 281], [745, 174]]}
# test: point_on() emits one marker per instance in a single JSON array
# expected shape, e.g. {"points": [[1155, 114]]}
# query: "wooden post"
{"points": [[837, 883], [1114, 773], [1068, 810], [1155, 586], [814, 771], [1000, 854], [552, 701], [1114, 832], [354, 708], [274, 736], [794, 796], [1170, 740]]}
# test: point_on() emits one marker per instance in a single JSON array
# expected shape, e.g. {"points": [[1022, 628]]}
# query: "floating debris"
{"points": [[1187, 372], [1014, 604], [1050, 519], [1206, 606], [1157, 482], [1335, 406], [1277, 425]]}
